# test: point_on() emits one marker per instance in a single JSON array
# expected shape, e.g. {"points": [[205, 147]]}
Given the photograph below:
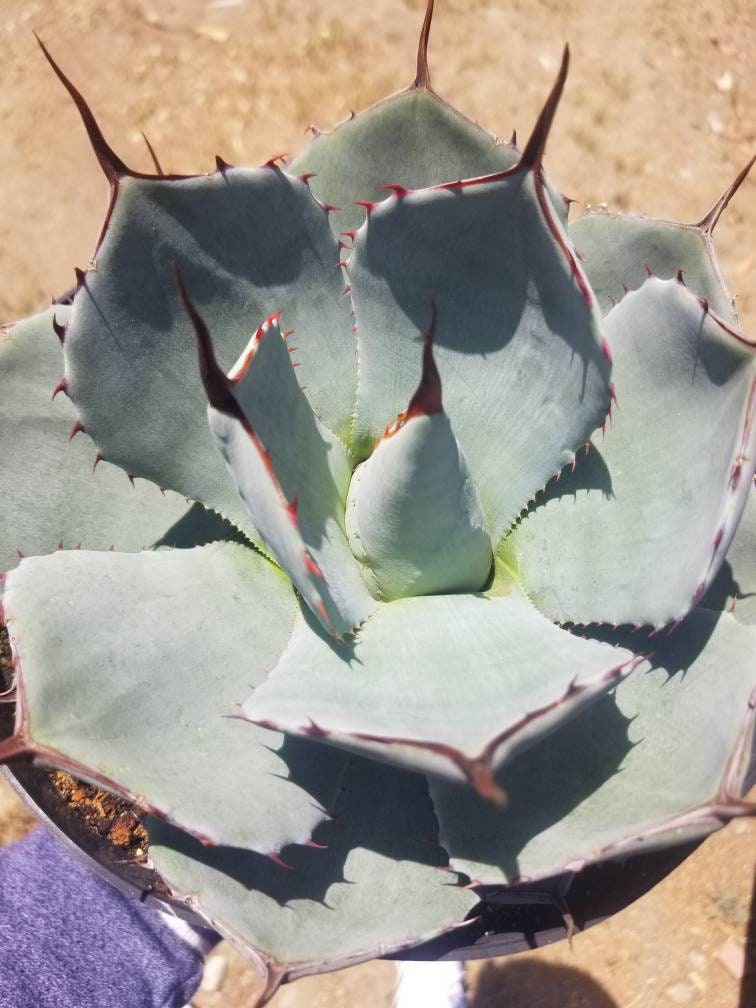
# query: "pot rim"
{"points": [[520, 918]]}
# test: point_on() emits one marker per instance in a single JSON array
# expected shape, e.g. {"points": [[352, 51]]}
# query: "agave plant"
{"points": [[459, 519]]}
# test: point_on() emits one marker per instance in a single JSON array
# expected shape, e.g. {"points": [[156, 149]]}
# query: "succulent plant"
{"points": [[468, 518]]}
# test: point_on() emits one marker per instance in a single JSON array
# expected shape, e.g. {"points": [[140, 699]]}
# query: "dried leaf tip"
{"points": [[153, 156], [113, 167], [422, 76], [532, 156], [214, 380], [711, 219], [427, 398]]}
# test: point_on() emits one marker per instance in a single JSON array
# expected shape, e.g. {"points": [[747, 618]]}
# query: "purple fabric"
{"points": [[68, 939]]}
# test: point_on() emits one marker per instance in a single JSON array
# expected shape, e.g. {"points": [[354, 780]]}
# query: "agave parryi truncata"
{"points": [[403, 515]]}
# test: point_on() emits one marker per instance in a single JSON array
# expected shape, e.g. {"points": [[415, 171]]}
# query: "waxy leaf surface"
{"points": [[249, 242], [128, 672], [413, 139], [374, 890], [49, 493], [620, 249], [293, 476], [507, 674], [659, 762], [518, 343], [414, 517], [734, 587], [638, 531]]}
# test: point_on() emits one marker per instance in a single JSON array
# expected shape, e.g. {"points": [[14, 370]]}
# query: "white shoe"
{"points": [[430, 985]]}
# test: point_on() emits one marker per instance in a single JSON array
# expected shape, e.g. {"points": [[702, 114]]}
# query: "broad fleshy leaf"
{"points": [[249, 242], [50, 494], [292, 474], [126, 674], [375, 889], [659, 762], [638, 531], [518, 341], [413, 140], [506, 672], [621, 249]]}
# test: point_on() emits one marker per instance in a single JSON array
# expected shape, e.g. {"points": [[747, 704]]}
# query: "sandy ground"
{"points": [[658, 117]]}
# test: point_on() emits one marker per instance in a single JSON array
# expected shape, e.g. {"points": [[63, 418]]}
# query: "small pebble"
{"points": [[697, 980], [680, 993], [213, 32], [715, 123], [724, 83], [732, 956]]}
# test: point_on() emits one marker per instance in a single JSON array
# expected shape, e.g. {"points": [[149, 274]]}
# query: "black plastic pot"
{"points": [[508, 921]]}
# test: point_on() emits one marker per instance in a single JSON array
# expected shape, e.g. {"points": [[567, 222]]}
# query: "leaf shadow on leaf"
{"points": [[267, 254], [320, 770], [550, 780], [404, 243], [203, 224], [199, 526], [344, 648], [380, 808], [487, 258], [674, 650], [590, 473], [725, 589], [544, 784], [130, 322], [719, 361]]}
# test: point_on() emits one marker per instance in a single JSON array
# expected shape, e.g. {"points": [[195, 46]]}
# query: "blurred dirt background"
{"points": [[658, 116]]}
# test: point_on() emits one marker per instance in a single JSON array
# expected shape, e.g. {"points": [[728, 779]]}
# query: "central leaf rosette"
{"points": [[414, 518], [407, 521], [407, 604]]}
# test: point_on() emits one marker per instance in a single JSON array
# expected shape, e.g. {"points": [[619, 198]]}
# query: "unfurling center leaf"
{"points": [[414, 518]]}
